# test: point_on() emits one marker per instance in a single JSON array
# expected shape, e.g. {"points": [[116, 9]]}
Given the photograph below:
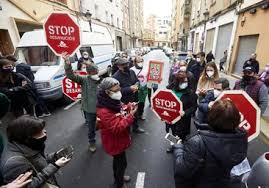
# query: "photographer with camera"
{"points": [[25, 152]]}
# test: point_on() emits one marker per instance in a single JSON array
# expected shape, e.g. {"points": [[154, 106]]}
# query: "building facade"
{"points": [[108, 13], [251, 35], [136, 20], [149, 31], [18, 17], [163, 31], [175, 24]]}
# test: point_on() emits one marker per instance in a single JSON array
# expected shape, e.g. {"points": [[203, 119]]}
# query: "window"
{"points": [[111, 1], [37, 56], [165, 33], [87, 49], [96, 11], [160, 32], [118, 23], [107, 18], [112, 21]]}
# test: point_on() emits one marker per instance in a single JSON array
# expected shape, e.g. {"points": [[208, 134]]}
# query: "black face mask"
{"points": [[247, 78], [37, 144], [126, 69], [9, 70]]}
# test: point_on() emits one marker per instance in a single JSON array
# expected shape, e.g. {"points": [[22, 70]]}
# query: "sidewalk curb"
{"points": [[264, 131]]}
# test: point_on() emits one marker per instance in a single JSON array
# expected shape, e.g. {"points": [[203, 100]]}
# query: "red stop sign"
{"points": [[62, 33], [72, 89], [249, 111], [166, 106]]}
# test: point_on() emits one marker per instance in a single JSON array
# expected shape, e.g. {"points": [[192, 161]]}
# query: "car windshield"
{"points": [[37, 56], [182, 56]]}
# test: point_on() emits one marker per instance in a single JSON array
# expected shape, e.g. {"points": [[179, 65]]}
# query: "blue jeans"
{"points": [[90, 122]]}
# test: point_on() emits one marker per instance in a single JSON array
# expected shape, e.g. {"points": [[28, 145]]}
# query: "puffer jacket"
{"points": [[114, 130], [206, 159], [17, 159]]}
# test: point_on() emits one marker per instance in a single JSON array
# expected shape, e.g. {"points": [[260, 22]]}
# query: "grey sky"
{"points": [[157, 7]]}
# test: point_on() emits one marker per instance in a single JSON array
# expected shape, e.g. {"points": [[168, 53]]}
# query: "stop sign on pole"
{"points": [[72, 89], [62, 33], [249, 111], [166, 106]]}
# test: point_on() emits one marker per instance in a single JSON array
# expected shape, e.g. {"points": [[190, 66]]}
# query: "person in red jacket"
{"points": [[114, 123]]}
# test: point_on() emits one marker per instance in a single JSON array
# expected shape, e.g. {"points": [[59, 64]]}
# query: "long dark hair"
{"points": [[179, 78]]}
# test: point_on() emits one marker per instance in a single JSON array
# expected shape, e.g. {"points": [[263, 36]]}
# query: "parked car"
{"points": [[182, 55], [48, 68]]}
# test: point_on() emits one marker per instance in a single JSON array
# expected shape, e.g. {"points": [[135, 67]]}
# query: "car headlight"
{"points": [[42, 85]]}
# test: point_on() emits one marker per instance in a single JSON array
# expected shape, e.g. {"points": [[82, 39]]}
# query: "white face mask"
{"points": [[198, 59], [216, 93], [183, 68], [210, 73], [84, 69], [183, 85], [95, 77], [116, 95], [140, 64]]}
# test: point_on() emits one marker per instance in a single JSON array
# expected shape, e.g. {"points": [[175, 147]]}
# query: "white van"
{"points": [[49, 68]]}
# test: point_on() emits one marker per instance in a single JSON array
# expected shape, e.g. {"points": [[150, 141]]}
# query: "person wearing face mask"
{"points": [[252, 61], [129, 84], [197, 67], [206, 81], [18, 88], [25, 152], [264, 76], [141, 73], [206, 103], [89, 85], [183, 68], [183, 91], [255, 88], [84, 60], [114, 127]]}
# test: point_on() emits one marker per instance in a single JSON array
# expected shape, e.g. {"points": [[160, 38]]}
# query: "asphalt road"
{"points": [[147, 153]]}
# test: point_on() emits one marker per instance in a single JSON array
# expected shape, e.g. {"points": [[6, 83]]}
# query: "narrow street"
{"points": [[147, 153]]}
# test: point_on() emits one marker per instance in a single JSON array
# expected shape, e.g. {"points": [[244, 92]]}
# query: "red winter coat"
{"points": [[114, 130]]}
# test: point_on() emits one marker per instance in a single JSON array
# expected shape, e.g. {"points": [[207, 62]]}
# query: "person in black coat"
{"points": [[209, 57], [206, 103], [197, 66], [252, 61], [18, 88], [205, 160], [183, 68], [129, 86], [183, 91]]}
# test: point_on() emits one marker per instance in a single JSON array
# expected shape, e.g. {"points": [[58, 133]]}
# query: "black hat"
{"points": [[249, 69], [121, 61]]}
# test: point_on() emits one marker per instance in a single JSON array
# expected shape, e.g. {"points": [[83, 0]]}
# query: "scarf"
{"points": [[104, 101]]}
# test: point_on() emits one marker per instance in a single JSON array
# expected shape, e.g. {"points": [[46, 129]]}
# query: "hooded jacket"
{"points": [[18, 159], [206, 159]]}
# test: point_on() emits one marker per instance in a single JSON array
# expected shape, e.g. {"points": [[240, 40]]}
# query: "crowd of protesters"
{"points": [[115, 105]]}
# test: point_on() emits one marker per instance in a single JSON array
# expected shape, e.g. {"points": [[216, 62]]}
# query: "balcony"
{"points": [[187, 9]]}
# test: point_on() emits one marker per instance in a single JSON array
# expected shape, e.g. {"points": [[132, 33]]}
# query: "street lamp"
{"points": [[133, 40], [88, 16]]}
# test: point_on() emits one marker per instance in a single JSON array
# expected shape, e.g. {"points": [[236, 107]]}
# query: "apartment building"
{"points": [[18, 17]]}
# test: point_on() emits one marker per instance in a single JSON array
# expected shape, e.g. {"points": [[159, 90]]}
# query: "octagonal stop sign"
{"points": [[249, 111], [72, 89], [62, 33], [167, 106]]}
